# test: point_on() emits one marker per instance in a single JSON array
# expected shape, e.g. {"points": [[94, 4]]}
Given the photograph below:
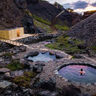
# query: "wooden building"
{"points": [[12, 33]]}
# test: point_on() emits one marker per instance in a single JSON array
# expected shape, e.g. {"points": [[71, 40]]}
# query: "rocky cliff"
{"points": [[12, 14], [85, 30], [48, 12]]}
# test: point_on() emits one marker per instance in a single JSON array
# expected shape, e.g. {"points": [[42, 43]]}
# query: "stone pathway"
{"points": [[86, 57], [51, 66]]}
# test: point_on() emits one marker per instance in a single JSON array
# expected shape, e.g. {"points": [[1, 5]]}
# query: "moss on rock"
{"points": [[25, 79], [15, 65]]}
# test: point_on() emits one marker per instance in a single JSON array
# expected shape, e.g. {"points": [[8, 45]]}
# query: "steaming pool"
{"points": [[72, 73]]}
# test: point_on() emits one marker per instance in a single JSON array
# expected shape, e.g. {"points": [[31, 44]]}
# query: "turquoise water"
{"points": [[72, 73], [42, 57]]}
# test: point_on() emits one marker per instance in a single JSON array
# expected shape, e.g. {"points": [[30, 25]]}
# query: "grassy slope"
{"points": [[45, 24], [66, 44]]}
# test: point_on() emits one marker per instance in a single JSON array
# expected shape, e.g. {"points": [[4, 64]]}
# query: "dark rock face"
{"points": [[32, 1], [49, 12], [82, 46], [85, 30], [33, 53], [28, 24], [17, 16], [37, 68], [9, 20], [15, 90], [78, 56], [21, 4], [5, 46], [47, 93], [47, 85], [71, 91], [17, 49]]}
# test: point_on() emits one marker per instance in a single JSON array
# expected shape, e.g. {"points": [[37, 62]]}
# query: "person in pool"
{"points": [[82, 72]]}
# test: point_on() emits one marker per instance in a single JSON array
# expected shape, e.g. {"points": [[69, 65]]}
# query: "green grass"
{"points": [[43, 26], [41, 20], [93, 48], [15, 65], [37, 17], [63, 43], [48, 23], [61, 27], [9, 55], [44, 22], [25, 79]]}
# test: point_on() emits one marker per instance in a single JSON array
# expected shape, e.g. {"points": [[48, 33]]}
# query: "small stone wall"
{"points": [[34, 39]]}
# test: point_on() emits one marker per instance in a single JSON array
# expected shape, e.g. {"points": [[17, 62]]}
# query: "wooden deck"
{"points": [[24, 36], [16, 43]]}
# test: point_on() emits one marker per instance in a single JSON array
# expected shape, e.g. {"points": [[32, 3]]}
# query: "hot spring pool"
{"points": [[72, 73], [42, 57]]}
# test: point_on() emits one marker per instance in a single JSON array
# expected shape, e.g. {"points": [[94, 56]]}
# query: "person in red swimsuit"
{"points": [[82, 72]]}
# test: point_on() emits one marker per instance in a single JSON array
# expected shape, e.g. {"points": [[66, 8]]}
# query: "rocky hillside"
{"points": [[48, 12], [85, 30], [12, 14], [88, 13]]}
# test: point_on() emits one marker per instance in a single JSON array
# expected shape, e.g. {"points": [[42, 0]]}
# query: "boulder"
{"points": [[71, 90], [82, 46], [47, 85], [4, 84], [37, 68], [71, 42], [14, 90], [58, 56], [4, 46], [33, 54], [22, 48], [78, 56], [4, 70], [47, 93], [17, 73], [28, 24], [7, 76], [1, 59], [23, 61], [26, 65]]}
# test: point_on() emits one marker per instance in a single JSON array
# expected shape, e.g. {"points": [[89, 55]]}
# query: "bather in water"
{"points": [[82, 72]]}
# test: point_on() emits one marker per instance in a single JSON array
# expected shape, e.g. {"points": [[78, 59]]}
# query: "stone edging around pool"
{"points": [[73, 82], [36, 52]]}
